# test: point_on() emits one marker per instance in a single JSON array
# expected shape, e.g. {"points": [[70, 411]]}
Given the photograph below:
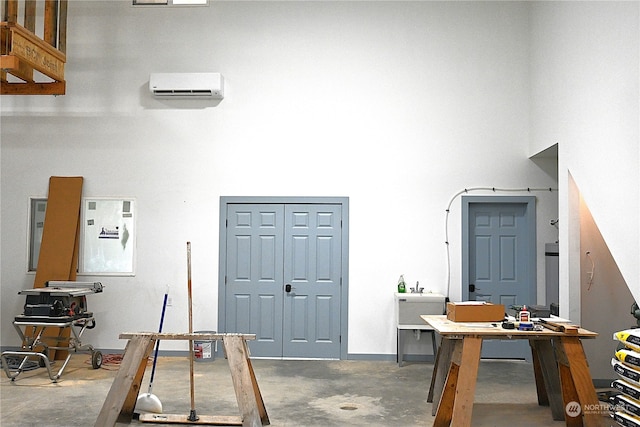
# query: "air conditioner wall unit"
{"points": [[187, 85]]}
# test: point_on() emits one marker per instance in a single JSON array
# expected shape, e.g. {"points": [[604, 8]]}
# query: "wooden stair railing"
{"points": [[37, 63]]}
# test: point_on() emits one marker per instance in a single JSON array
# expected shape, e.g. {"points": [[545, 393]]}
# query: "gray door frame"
{"points": [[222, 255], [530, 215]]}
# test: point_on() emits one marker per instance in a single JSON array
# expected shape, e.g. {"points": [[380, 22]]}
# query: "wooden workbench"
{"points": [[122, 396], [560, 367]]}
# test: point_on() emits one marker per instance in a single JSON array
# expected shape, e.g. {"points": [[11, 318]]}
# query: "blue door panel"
{"points": [[267, 328], [312, 309], [253, 288], [508, 259]]}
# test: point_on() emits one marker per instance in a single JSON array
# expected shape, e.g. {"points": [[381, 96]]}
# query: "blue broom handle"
{"points": [[155, 355]]}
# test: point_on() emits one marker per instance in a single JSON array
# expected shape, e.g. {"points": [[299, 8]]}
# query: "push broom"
{"points": [[149, 402]]}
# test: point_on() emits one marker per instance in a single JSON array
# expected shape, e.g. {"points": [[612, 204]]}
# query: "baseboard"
{"points": [[414, 358]]}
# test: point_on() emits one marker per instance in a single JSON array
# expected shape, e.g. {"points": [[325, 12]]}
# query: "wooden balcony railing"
{"points": [[36, 63]]}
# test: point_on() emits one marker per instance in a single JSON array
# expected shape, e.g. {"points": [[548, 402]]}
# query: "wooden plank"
{"points": [[51, 22], [62, 29], [30, 15], [570, 399], [61, 223], [5, 39], [10, 11], [33, 51], [442, 406], [446, 351], [12, 63], [186, 336], [59, 242], [262, 410], [445, 405], [466, 388], [53, 88], [550, 377], [223, 420], [17, 28], [580, 378], [571, 330], [129, 405], [17, 68], [446, 327], [127, 381], [242, 379], [434, 374], [9, 62], [543, 398]]}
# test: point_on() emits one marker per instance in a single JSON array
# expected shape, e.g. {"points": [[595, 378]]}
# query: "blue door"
{"points": [[254, 275], [312, 260], [283, 278], [499, 261]]}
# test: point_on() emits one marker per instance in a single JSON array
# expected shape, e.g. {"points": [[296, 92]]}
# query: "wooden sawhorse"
{"points": [[122, 397]]}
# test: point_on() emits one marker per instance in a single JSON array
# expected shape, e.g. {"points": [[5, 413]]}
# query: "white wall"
{"points": [[396, 105], [602, 291], [585, 97]]}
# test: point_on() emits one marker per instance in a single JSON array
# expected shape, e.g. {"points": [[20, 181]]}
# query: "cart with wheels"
{"points": [[60, 305]]}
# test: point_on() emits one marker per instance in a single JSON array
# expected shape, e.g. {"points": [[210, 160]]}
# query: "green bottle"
{"points": [[401, 286]]}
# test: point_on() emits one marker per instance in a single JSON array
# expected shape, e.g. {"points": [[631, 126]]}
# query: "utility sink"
{"points": [[410, 306]]}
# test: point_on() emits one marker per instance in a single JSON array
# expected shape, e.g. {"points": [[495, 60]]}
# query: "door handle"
{"points": [[287, 288], [472, 288]]}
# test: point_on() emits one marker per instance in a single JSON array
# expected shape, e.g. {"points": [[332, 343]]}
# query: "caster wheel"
{"points": [[96, 360]]}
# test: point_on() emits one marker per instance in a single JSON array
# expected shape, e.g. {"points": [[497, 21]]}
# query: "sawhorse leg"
{"points": [[123, 394], [248, 394], [456, 403], [547, 377], [577, 385], [440, 370]]}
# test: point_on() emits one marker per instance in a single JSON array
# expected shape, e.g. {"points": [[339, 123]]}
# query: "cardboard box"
{"points": [[475, 311]]}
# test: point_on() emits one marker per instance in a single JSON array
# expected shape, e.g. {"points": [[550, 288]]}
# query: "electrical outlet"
{"points": [[169, 301]]}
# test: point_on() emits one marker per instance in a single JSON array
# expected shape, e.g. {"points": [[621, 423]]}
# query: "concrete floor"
{"points": [[295, 393]]}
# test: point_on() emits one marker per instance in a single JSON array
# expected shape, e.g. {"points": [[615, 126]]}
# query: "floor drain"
{"points": [[348, 407]]}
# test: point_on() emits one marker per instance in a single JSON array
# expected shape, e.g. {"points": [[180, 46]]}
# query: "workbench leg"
{"points": [[434, 343], [467, 376], [541, 391], [445, 404], [547, 377], [248, 394], [577, 385], [123, 394], [440, 372], [434, 374]]}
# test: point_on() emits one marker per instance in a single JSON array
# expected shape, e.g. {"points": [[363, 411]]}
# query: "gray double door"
{"points": [[283, 278]]}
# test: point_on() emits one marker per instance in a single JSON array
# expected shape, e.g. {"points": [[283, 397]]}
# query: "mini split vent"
{"points": [[187, 85]]}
